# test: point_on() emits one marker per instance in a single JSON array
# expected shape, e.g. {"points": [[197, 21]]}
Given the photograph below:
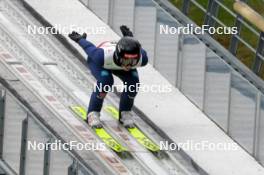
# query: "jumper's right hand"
{"points": [[76, 36]]}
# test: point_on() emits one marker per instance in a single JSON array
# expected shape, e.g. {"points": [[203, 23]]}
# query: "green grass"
{"points": [[243, 53]]}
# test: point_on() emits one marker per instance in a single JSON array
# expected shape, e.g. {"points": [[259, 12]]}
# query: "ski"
{"points": [[135, 132], [100, 132]]}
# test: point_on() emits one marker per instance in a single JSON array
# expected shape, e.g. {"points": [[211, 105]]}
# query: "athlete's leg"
{"points": [[104, 83], [131, 80]]}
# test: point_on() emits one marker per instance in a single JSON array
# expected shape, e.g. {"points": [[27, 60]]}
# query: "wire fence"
{"points": [[247, 45]]}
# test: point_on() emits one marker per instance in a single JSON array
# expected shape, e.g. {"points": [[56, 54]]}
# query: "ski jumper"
{"points": [[102, 65]]}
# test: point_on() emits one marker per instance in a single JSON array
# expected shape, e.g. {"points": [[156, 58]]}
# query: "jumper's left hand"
{"points": [[126, 31]]}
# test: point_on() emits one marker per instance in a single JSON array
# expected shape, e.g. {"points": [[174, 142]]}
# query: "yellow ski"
{"points": [[135, 131], [100, 132]]}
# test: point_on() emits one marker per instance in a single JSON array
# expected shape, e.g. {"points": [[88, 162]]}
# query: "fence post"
{"points": [[234, 41], [212, 10], [73, 168], [259, 53], [186, 6], [257, 126], [23, 146], [2, 116], [46, 167]]}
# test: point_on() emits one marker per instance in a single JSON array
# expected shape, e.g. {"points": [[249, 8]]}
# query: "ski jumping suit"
{"points": [[101, 63]]}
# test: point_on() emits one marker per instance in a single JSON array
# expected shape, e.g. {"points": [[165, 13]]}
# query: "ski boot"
{"points": [[94, 120], [126, 119]]}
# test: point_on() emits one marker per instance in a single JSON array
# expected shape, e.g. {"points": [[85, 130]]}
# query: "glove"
{"points": [[126, 31], [76, 36]]}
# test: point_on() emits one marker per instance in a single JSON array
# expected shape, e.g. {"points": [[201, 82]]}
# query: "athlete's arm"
{"points": [[94, 53], [144, 57]]}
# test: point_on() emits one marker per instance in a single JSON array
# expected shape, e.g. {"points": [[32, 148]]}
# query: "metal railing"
{"points": [[228, 93], [16, 154], [236, 42]]}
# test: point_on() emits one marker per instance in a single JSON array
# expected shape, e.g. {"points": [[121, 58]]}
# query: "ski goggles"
{"points": [[130, 60]]}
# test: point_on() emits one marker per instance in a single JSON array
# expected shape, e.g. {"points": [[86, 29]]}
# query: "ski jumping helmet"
{"points": [[128, 51]]}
